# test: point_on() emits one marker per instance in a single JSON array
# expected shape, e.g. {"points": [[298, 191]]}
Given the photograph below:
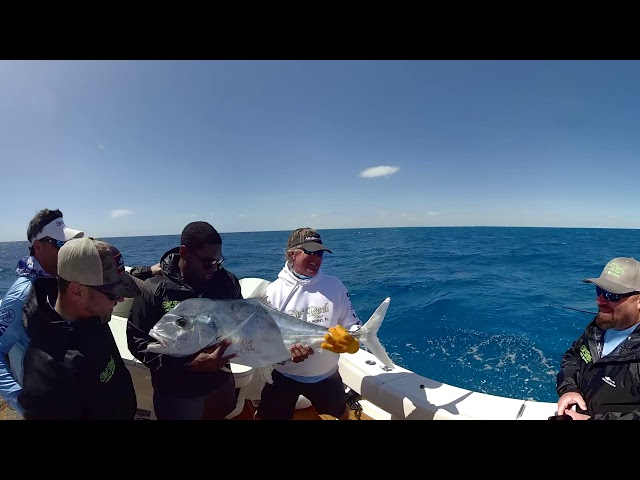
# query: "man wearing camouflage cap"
{"points": [[73, 368], [600, 373]]}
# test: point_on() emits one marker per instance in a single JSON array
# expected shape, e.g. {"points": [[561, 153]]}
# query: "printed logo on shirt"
{"points": [[169, 305], [7, 315], [585, 354], [312, 311], [107, 374], [608, 381]]}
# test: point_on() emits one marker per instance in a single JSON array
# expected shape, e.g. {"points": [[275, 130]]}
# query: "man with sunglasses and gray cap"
{"points": [[304, 291], [600, 372], [72, 368]]}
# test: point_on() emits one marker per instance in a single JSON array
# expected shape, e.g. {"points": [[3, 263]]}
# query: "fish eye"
{"points": [[181, 322]]}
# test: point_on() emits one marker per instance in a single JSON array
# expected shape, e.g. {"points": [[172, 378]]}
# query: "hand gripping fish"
{"points": [[260, 335]]}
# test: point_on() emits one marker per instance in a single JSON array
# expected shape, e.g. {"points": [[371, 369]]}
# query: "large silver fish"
{"points": [[260, 335]]}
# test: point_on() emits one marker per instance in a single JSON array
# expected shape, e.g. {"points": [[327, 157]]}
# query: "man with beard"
{"points": [[600, 373]]}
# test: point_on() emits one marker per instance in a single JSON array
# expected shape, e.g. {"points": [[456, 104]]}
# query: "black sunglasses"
{"points": [[109, 295], [319, 253], [612, 297], [210, 262], [56, 243]]}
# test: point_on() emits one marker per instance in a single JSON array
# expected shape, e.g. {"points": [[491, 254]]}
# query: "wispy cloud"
{"points": [[100, 146], [120, 213], [379, 171], [433, 213]]}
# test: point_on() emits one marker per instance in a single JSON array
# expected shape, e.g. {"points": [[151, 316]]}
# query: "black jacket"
{"points": [[72, 370], [171, 375], [609, 385]]}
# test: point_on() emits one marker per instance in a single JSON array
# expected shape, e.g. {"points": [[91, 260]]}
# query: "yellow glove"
{"points": [[338, 340]]}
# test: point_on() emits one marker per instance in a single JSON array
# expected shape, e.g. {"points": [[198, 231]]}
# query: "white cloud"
{"points": [[433, 213], [100, 146], [380, 171], [120, 213]]}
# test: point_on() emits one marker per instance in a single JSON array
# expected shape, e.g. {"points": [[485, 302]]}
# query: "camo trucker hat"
{"points": [[620, 275], [308, 239], [96, 264]]}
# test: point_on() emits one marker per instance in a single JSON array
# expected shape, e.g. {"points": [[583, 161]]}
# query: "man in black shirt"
{"points": [[73, 368], [200, 386]]}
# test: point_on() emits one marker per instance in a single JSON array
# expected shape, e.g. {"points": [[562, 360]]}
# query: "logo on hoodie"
{"points": [[107, 373], [169, 304], [585, 354]]}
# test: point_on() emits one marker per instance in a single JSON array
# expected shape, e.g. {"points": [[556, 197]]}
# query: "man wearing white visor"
{"points": [[46, 234]]}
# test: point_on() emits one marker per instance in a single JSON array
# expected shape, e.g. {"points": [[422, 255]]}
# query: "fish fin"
{"points": [[154, 347], [368, 334]]}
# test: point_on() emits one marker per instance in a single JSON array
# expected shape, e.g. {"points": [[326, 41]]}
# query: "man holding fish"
{"points": [[200, 385], [305, 292]]}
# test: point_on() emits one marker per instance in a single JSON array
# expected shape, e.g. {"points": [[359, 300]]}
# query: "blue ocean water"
{"points": [[470, 306]]}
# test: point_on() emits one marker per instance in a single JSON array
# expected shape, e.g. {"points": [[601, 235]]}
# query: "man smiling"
{"points": [[600, 373], [303, 290]]}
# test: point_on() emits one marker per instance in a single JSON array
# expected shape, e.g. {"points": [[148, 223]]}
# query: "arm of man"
{"points": [[11, 330], [50, 391], [143, 272], [566, 379], [347, 314], [338, 340]]}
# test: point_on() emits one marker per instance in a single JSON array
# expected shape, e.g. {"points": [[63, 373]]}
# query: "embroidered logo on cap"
{"points": [[119, 262]]}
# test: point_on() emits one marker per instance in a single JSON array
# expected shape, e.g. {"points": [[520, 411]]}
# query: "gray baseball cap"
{"points": [[620, 275]]}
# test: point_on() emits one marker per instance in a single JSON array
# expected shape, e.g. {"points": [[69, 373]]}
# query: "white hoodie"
{"points": [[321, 300]]}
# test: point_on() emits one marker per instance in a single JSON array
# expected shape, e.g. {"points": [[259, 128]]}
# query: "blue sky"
{"points": [[145, 147]]}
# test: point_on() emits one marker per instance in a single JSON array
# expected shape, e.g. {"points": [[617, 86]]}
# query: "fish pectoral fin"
{"points": [[239, 327], [154, 347]]}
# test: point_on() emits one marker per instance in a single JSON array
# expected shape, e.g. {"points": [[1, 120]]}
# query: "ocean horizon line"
{"points": [[361, 228]]}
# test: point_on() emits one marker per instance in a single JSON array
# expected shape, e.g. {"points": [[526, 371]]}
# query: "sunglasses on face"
{"points": [[210, 262], [612, 297], [109, 295], [56, 243], [318, 253]]}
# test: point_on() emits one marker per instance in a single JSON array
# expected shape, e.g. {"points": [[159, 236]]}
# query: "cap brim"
{"points": [[58, 232], [128, 286], [608, 285], [70, 234], [314, 247]]}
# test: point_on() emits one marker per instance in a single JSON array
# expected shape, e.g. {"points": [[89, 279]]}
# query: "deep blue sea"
{"points": [[470, 306]]}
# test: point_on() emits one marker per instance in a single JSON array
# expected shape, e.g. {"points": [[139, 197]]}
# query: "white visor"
{"points": [[58, 231]]}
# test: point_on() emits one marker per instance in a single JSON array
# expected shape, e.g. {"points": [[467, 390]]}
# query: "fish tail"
{"points": [[368, 334]]}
